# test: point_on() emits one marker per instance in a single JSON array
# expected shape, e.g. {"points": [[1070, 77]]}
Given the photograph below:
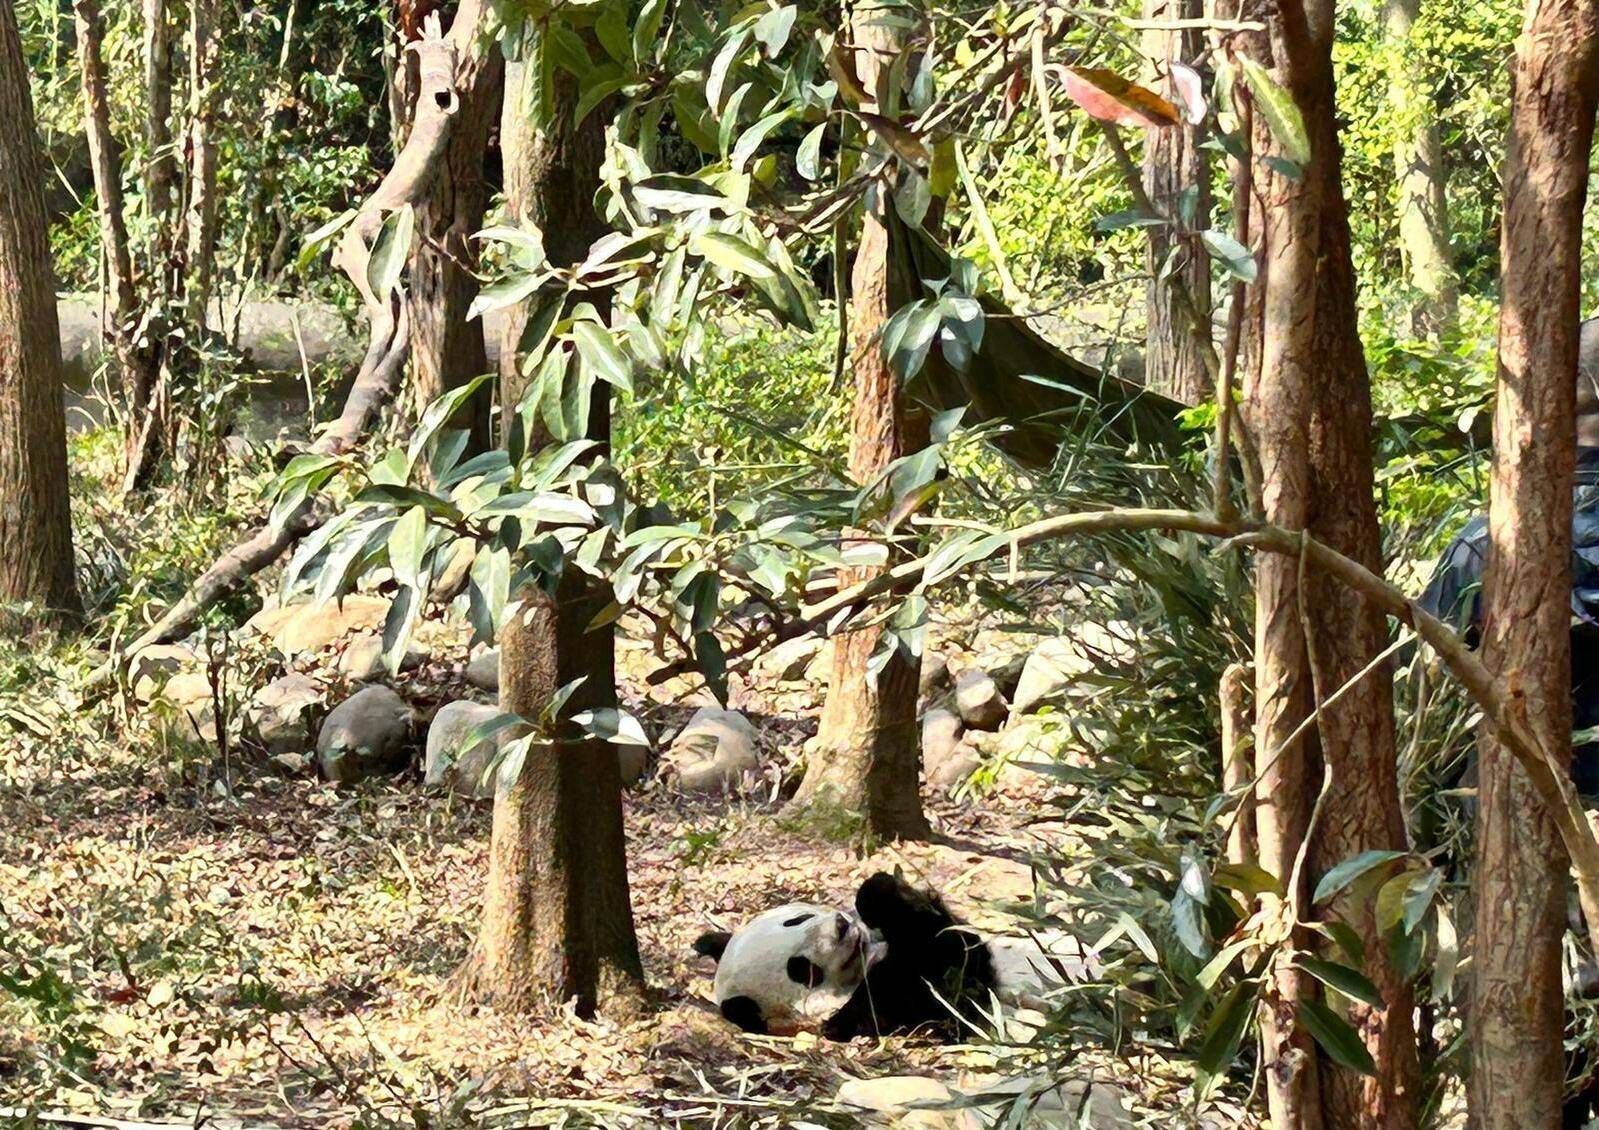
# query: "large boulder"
{"points": [[483, 670], [448, 762], [978, 700], [903, 1101], [300, 629], [947, 761], [364, 734], [362, 659], [789, 660], [280, 713], [186, 707], [713, 752], [1057, 663], [894, 1100]]}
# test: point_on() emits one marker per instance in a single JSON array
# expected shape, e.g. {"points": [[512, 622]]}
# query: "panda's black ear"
{"points": [[712, 944], [744, 1012]]}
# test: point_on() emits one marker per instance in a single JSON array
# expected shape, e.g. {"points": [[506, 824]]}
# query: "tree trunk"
{"points": [[1419, 178], [1516, 1022], [1175, 169], [557, 918], [1308, 401], [35, 514], [447, 350], [1237, 766], [137, 363], [201, 220], [867, 755], [161, 169]]}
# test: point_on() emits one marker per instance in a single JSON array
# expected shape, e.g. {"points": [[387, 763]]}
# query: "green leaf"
{"points": [[1189, 922], [1231, 254], [772, 30], [597, 347], [407, 542], [321, 237], [1419, 896], [612, 725], [750, 140], [1217, 965], [1226, 1029], [1247, 879], [501, 293], [671, 192], [721, 68], [1282, 115], [733, 253], [1351, 869], [389, 251], [1335, 1036], [611, 30], [808, 157], [1350, 982], [646, 29]]}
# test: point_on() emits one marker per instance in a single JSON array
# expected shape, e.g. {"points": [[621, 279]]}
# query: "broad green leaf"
{"points": [[733, 253], [750, 140], [1226, 1029], [646, 29], [1281, 113], [501, 293], [1231, 254], [612, 32], [407, 542], [389, 251], [722, 66], [1351, 869], [1419, 896], [599, 349], [1335, 1036], [612, 725], [1350, 982], [808, 157], [772, 29]]}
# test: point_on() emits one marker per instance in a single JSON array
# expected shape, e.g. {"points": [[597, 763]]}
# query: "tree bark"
{"points": [[447, 350], [867, 755], [1174, 165], [200, 222], [1517, 1014], [161, 168], [1308, 402], [1419, 177], [137, 362], [557, 917], [1237, 766], [35, 513]]}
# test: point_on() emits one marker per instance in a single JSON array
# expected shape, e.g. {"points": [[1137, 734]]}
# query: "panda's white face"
{"points": [[796, 962]]}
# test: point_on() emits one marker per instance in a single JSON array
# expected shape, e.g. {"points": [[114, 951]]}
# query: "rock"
{"points": [[820, 669], [935, 674], [941, 733], [447, 763], [191, 713], [790, 660], [291, 763], [953, 771], [483, 670], [1007, 672], [891, 1100], [362, 660], [303, 628], [363, 735], [713, 751], [1056, 663], [279, 713], [152, 666], [1065, 1105], [977, 698]]}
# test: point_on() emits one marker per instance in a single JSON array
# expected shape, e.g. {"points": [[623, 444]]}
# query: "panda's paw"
{"points": [[840, 1028]]}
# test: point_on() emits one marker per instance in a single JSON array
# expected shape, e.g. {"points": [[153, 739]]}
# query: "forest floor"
{"points": [[277, 953]]}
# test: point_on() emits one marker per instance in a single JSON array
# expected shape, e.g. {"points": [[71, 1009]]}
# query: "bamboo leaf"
{"points": [[1282, 114], [1350, 982], [1335, 1036], [1351, 869]]}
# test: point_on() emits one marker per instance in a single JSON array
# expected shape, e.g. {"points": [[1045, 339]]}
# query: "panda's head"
{"points": [[797, 962]]}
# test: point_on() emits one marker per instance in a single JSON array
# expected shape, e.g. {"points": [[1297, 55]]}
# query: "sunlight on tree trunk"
{"points": [[447, 350], [35, 514], [1176, 177], [866, 758], [557, 917], [1517, 1008], [1423, 205], [1307, 399]]}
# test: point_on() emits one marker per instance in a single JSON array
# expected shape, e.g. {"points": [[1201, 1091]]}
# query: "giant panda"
{"points": [[899, 964]]}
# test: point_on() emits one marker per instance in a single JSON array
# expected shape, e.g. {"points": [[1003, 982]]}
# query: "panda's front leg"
{"points": [[854, 1019]]}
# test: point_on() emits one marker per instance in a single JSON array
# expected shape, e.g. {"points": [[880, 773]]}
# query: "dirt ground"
{"points": [[277, 955]]}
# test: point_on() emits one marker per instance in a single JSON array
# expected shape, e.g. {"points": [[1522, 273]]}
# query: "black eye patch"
{"points": [[804, 971], [798, 919]]}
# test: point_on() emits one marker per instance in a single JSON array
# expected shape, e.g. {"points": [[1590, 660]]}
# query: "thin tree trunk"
{"points": [[447, 350], [867, 755], [1516, 1022], [35, 514], [201, 220], [1237, 766], [137, 364], [1175, 169], [161, 167], [1308, 400], [557, 918], [1419, 175]]}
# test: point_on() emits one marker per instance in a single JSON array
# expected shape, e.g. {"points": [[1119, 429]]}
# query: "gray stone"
{"points": [[151, 667], [279, 712], [304, 628], [891, 1100], [978, 700], [447, 763], [1057, 663], [935, 675], [900, 1101], [363, 735], [483, 669], [790, 660], [955, 770], [713, 752], [362, 659], [941, 733], [188, 708]]}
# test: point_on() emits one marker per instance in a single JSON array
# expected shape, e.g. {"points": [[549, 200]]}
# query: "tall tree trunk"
{"points": [[1516, 1022], [161, 168], [557, 918], [447, 350], [867, 755], [35, 514], [1419, 177], [1175, 170], [1308, 401], [201, 220], [137, 363]]}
